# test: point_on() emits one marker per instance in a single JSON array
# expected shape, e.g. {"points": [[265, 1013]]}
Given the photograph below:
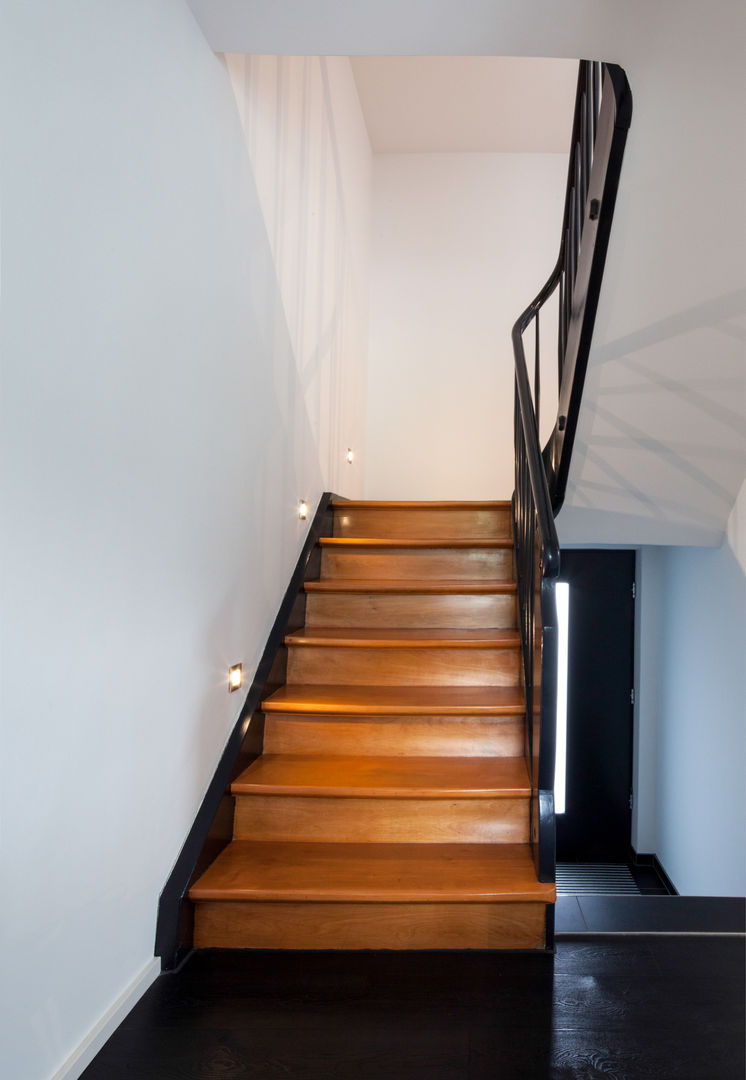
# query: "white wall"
{"points": [[461, 243], [457, 104], [311, 159], [158, 430], [692, 753]]}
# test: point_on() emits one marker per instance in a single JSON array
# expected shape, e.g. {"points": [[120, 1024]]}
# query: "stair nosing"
{"points": [[404, 504], [392, 707], [358, 638], [456, 543], [414, 586]]}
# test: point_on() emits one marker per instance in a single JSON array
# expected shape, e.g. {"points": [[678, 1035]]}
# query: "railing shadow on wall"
{"points": [[603, 112]]}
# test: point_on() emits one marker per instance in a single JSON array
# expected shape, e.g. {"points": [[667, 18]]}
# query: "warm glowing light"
{"points": [[350, 456], [235, 677], [560, 769], [303, 510]]}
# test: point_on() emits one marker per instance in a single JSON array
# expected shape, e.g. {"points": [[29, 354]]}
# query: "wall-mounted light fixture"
{"points": [[350, 456], [235, 677], [303, 509]]}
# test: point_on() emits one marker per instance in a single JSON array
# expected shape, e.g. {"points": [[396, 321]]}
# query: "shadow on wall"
{"points": [[307, 171], [688, 444], [305, 318], [274, 462]]}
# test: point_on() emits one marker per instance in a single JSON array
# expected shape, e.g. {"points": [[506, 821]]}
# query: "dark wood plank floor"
{"points": [[625, 1008]]}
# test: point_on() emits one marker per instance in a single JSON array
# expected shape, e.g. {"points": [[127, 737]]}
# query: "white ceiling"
{"points": [[442, 104]]}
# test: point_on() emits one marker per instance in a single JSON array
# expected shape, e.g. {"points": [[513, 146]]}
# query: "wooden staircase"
{"points": [[390, 808]]}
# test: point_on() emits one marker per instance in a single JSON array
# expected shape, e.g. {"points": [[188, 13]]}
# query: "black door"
{"points": [[596, 825]]}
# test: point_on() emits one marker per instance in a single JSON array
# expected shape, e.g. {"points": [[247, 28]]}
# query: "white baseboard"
{"points": [[87, 1049]]}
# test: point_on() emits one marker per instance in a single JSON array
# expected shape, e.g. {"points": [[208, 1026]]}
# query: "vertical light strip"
{"points": [[560, 768]]}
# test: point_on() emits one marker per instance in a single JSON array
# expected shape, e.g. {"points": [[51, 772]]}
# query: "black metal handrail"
{"points": [[603, 111], [537, 557]]}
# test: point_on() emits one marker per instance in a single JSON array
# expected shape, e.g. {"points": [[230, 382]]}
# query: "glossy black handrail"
{"points": [[603, 110], [537, 556], [603, 114]]}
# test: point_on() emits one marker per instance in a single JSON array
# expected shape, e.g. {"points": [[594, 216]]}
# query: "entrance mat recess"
{"points": [[595, 879]]}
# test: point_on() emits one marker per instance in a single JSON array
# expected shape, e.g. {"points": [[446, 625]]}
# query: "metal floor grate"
{"points": [[595, 879]]}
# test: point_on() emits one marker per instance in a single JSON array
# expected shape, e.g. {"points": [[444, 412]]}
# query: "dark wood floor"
{"points": [[625, 1008]]}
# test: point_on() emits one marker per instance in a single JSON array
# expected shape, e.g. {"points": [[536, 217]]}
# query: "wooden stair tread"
{"points": [[452, 504], [437, 586], [316, 871], [398, 700], [361, 637], [354, 542], [387, 777]]}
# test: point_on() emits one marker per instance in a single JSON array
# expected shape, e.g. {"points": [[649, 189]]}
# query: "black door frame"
{"points": [[597, 824]]}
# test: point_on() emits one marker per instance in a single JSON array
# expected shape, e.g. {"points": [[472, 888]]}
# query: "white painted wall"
{"points": [[467, 104], [158, 427], [311, 158], [692, 750], [461, 243], [659, 456]]}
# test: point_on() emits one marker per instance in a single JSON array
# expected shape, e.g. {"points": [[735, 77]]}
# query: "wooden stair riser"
{"points": [[344, 666], [390, 564], [422, 736], [382, 820], [413, 611], [425, 524], [304, 925]]}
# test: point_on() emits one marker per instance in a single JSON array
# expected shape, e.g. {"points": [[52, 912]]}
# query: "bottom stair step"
{"points": [[358, 896], [260, 870], [293, 925]]}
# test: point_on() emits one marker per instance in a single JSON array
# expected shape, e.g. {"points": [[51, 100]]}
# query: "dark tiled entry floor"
{"points": [[596, 914], [624, 1008]]}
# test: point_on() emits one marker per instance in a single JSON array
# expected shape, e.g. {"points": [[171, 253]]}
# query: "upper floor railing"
{"points": [[603, 111]]}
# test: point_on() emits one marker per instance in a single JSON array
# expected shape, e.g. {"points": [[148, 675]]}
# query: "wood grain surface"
{"points": [[365, 561], [469, 736], [252, 870], [399, 700], [327, 606], [390, 807], [288, 925], [381, 819], [423, 777], [429, 666], [454, 521]]}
